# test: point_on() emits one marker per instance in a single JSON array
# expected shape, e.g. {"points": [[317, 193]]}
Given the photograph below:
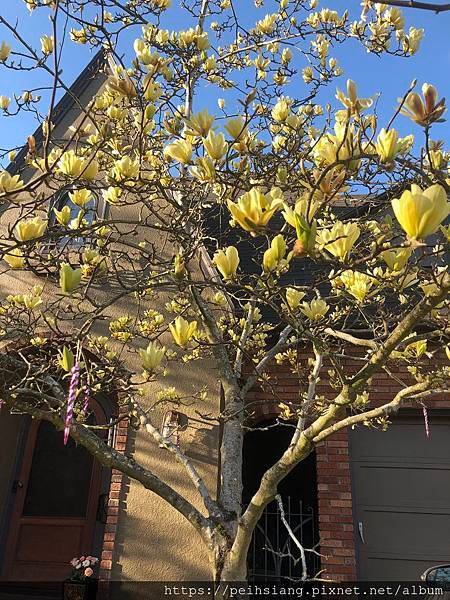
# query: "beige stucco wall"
{"points": [[153, 541]]}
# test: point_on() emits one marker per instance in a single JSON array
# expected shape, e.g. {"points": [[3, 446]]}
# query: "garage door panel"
{"points": [[391, 533], [401, 489], [407, 486], [375, 444], [391, 567]]}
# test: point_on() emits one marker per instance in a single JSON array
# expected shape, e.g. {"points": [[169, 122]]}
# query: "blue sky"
{"points": [[391, 75]]}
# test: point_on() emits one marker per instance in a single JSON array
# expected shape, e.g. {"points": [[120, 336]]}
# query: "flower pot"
{"points": [[80, 590]]}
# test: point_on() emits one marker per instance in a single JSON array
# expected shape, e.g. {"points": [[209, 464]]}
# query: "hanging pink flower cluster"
{"points": [[425, 419], [87, 399], [74, 380]]}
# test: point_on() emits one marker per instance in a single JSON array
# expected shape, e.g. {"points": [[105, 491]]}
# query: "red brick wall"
{"points": [[109, 537], [335, 508]]}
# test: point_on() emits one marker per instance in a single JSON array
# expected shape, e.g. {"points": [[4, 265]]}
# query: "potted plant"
{"points": [[81, 585]]}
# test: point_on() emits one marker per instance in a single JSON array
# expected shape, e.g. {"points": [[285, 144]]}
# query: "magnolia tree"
{"points": [[299, 178]]}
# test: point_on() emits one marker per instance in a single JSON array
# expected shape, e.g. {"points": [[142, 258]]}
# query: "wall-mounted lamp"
{"points": [[173, 424]]}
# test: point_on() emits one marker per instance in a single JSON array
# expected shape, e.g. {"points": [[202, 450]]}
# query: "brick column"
{"points": [[109, 537], [334, 494]]}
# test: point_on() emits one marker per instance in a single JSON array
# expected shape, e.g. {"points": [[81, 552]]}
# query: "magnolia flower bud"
{"points": [[69, 278], [66, 359], [47, 44], [4, 102], [420, 212], [182, 331], [227, 262], [5, 51]]}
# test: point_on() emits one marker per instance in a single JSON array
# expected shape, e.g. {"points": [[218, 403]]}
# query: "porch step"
{"points": [[30, 591]]}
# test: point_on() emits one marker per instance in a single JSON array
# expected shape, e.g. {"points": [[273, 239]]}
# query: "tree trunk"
{"points": [[231, 456], [228, 569]]}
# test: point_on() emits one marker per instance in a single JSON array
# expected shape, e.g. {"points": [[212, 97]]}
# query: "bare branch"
{"points": [[433, 7]]}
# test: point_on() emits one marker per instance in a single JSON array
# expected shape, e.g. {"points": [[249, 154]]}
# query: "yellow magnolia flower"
{"points": [[78, 36], [69, 278], [236, 128], [396, 259], [202, 41], [215, 145], [340, 239], [70, 164], [152, 356], [31, 4], [90, 171], [152, 89], [112, 194], [286, 56], [199, 124], [4, 102], [315, 310], [339, 147], [275, 254], [162, 4], [254, 209], [412, 41], [351, 101], [29, 301], [304, 206], [307, 74], [227, 262], [182, 331], [5, 51], [125, 169], [426, 111], [91, 256], [47, 44], [78, 221], [63, 216], [267, 25], [281, 110], [420, 212], [121, 86], [30, 229], [66, 359], [357, 284], [181, 151], [204, 169], [15, 259], [80, 197], [387, 145], [294, 297], [446, 232], [9, 183]]}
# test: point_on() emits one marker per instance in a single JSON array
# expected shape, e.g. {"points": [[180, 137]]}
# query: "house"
{"points": [[376, 503]]}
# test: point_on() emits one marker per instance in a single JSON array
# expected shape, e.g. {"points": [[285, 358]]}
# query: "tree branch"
{"points": [[265, 362], [192, 472], [436, 8], [384, 410]]}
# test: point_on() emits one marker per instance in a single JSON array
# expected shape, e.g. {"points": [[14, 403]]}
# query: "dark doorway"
{"points": [[56, 505], [273, 555]]}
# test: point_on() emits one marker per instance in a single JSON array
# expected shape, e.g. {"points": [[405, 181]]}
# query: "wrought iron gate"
{"points": [[273, 556]]}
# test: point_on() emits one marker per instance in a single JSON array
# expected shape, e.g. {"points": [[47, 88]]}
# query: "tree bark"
{"points": [[231, 456]]}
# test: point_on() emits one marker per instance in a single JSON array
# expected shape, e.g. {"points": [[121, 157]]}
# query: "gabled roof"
{"points": [[67, 102]]}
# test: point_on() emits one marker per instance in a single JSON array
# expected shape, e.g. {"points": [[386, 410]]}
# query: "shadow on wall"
{"points": [[204, 446]]}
